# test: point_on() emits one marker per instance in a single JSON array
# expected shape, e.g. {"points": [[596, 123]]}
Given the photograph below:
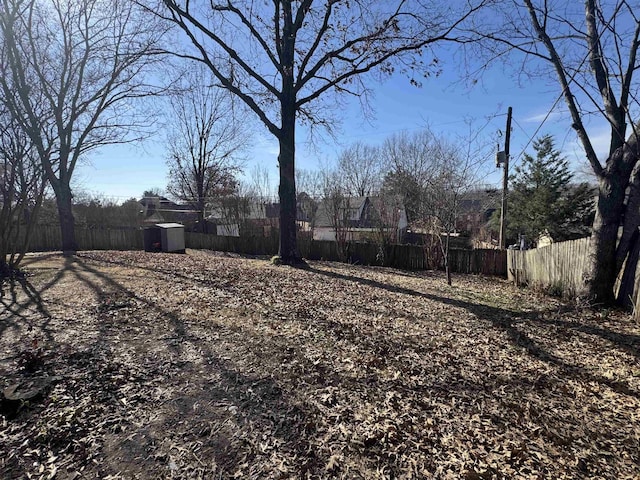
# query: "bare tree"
{"points": [[454, 173], [205, 144], [99, 211], [234, 209], [260, 186], [592, 50], [309, 184], [282, 58], [361, 168], [387, 211], [409, 158], [72, 72], [336, 206], [22, 187], [430, 174]]}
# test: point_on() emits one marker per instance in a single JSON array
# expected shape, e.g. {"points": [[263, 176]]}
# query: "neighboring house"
{"points": [[307, 212], [162, 210], [475, 208], [261, 219], [361, 218]]}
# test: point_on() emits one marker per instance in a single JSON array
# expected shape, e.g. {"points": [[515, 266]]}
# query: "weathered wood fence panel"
{"points": [[407, 257], [559, 266], [242, 245], [47, 238]]}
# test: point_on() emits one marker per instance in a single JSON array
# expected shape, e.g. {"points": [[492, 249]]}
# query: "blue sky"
{"points": [[125, 171]]}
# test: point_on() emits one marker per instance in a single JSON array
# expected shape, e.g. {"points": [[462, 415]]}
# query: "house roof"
{"points": [[256, 211], [355, 208], [154, 218], [363, 212]]}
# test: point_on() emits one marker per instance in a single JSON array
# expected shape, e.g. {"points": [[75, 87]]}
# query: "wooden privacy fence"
{"points": [[47, 238], [407, 257], [243, 245], [560, 267]]}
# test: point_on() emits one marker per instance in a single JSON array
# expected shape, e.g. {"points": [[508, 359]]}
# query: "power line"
{"points": [[546, 117]]}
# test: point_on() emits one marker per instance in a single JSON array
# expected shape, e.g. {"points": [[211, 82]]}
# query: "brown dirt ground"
{"points": [[208, 366]]}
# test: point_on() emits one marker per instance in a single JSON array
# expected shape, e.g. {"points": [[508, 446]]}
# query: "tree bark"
{"points": [[287, 191], [67, 220], [447, 266], [288, 250], [601, 272], [627, 284], [603, 264], [631, 220], [202, 219]]}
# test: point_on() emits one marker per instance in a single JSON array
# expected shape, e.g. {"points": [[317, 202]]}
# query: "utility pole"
{"points": [[505, 179]]}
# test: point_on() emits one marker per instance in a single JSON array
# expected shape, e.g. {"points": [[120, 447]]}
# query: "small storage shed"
{"points": [[165, 237]]}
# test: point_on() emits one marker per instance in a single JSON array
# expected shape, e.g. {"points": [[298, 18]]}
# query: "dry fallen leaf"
{"points": [[210, 366]]}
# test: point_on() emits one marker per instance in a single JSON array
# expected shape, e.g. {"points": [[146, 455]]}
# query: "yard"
{"points": [[209, 366]]}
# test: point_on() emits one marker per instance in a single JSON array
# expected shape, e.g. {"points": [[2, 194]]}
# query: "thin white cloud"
{"points": [[600, 140], [540, 117], [267, 145]]}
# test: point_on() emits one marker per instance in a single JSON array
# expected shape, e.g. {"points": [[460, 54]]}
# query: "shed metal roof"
{"points": [[169, 225]]}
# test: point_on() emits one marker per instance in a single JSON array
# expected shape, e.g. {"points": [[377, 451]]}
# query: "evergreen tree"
{"points": [[544, 199]]}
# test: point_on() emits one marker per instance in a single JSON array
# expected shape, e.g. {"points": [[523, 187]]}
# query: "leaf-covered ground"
{"points": [[207, 366]]}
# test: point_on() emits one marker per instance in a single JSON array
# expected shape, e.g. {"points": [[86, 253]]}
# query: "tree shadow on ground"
{"points": [[221, 408], [506, 321], [16, 309], [257, 400]]}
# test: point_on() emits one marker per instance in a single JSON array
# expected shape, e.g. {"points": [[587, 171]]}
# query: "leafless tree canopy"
{"points": [[206, 139], [361, 167], [22, 186], [319, 46], [70, 74], [590, 47], [282, 58]]}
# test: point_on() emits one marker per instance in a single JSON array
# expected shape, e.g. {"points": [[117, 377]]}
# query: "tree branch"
{"points": [[578, 125]]}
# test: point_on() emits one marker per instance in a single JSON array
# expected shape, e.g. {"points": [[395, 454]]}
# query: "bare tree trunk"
{"points": [[627, 283], [631, 213], [447, 267], [601, 272], [444, 248], [18, 255], [67, 221], [201, 218], [606, 257], [287, 190], [288, 249]]}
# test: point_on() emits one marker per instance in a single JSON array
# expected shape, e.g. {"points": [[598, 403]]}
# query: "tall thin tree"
{"points": [[205, 143]]}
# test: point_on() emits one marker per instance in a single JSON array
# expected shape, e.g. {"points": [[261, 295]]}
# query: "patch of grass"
{"points": [[276, 260], [556, 289]]}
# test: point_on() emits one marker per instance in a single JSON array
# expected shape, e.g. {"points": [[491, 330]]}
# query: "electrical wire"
{"points": [[546, 117]]}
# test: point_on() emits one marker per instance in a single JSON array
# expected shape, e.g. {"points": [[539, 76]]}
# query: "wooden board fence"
{"points": [[558, 267], [47, 238], [407, 257], [243, 245]]}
